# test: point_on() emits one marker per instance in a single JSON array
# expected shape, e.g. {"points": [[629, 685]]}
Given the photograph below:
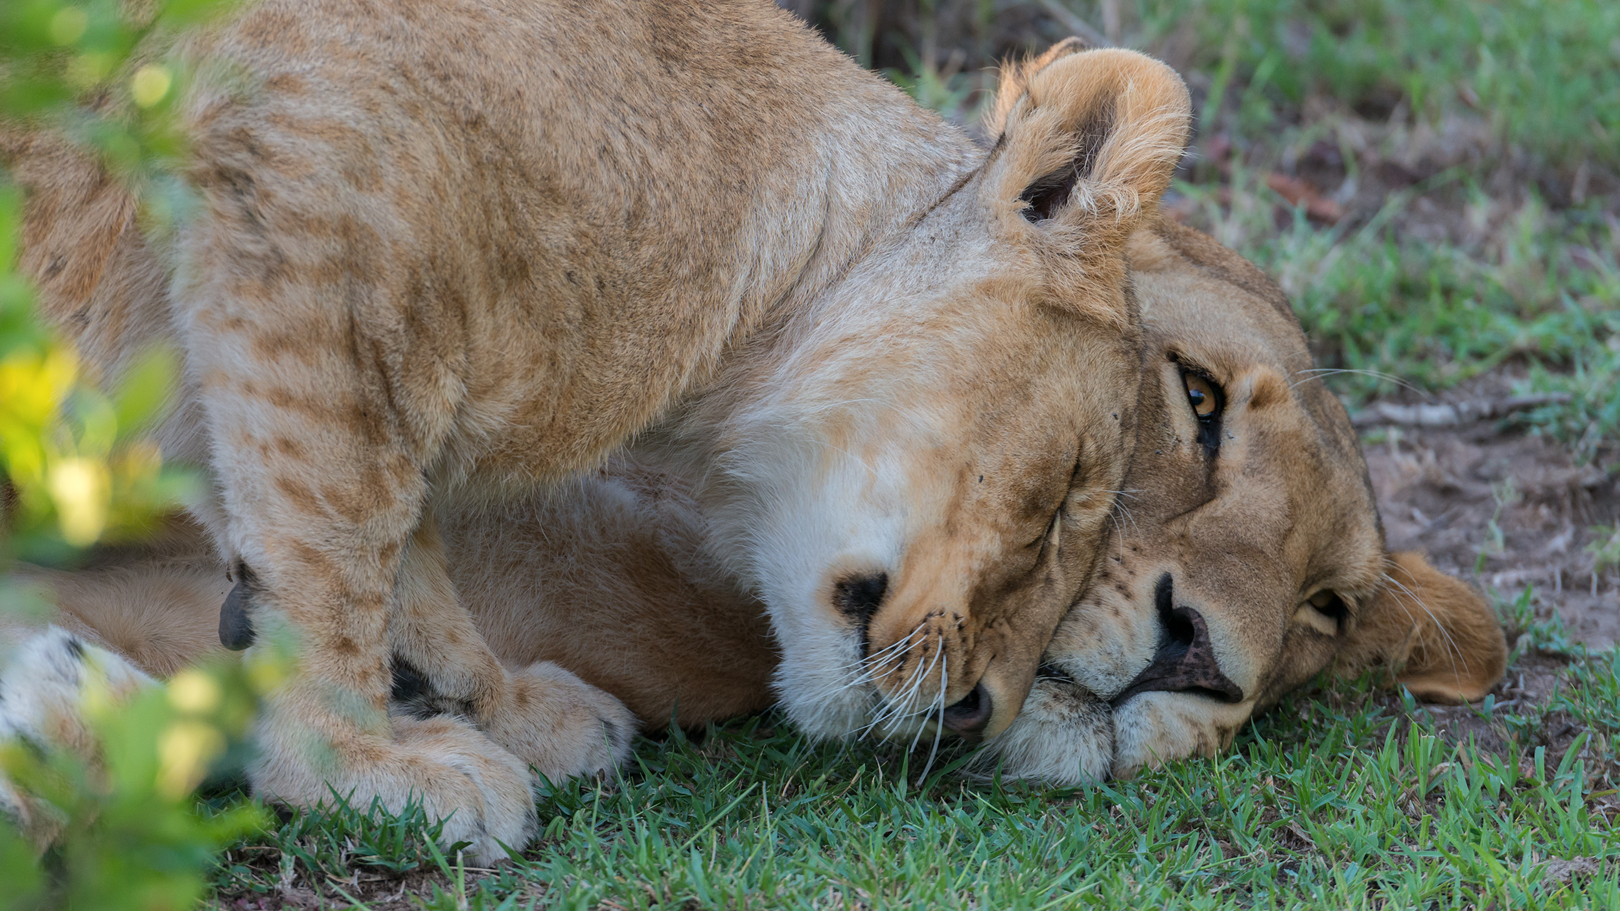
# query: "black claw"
{"points": [[235, 626]]}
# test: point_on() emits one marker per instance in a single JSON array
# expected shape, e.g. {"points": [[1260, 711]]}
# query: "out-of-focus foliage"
{"points": [[133, 836], [76, 470]]}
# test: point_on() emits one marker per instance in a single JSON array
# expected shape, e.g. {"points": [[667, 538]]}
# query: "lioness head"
{"points": [[925, 483], [1249, 553]]}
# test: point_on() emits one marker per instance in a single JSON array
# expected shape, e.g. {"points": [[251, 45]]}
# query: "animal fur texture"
{"points": [[612, 578], [446, 252]]}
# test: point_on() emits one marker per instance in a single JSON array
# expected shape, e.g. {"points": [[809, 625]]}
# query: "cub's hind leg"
{"points": [[557, 723]]}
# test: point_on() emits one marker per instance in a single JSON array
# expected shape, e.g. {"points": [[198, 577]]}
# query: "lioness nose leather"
{"points": [[1185, 660]]}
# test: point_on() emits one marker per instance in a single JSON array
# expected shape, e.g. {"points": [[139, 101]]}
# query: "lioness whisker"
{"points": [[1453, 650], [939, 726], [861, 672], [1130, 517], [882, 655], [901, 707], [1320, 373], [937, 697]]}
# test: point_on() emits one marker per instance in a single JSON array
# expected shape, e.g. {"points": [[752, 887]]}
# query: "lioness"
{"points": [[445, 251], [1239, 453]]}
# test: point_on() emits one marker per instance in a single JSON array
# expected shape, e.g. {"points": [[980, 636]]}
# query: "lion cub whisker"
{"points": [[419, 273]]}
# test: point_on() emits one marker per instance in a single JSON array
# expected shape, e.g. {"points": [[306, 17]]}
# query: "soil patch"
{"points": [[1505, 510]]}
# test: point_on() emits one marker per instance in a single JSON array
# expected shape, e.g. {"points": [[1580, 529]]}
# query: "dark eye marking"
{"points": [[1331, 606]]}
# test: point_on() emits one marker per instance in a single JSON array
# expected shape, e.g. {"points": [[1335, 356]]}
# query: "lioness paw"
{"points": [[559, 724], [42, 695]]}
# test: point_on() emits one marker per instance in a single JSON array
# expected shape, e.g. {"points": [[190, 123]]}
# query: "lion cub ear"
{"points": [[1086, 147], [1437, 632], [1013, 82]]}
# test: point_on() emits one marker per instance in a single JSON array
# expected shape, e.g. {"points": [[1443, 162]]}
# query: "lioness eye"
{"points": [[1330, 606], [1324, 612], [1205, 403]]}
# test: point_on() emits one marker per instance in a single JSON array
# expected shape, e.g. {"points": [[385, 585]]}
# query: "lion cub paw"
{"points": [[559, 724], [482, 793]]}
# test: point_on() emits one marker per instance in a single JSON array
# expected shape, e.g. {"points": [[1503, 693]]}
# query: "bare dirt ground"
{"points": [[1507, 510], [1515, 507]]}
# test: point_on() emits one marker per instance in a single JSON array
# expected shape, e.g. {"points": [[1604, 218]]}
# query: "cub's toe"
{"points": [[561, 725], [482, 793]]}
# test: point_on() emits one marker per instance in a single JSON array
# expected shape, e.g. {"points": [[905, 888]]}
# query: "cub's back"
{"points": [[538, 222]]}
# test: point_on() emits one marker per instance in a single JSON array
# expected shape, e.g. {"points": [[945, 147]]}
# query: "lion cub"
{"points": [[444, 251]]}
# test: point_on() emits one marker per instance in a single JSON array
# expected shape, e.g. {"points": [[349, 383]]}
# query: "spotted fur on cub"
{"points": [[1164, 657], [446, 252]]}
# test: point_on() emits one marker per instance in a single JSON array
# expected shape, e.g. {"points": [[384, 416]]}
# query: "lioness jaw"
{"points": [[636, 602]]}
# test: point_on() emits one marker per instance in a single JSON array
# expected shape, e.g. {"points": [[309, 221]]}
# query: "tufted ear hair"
{"points": [[1439, 635], [1013, 81], [1086, 147]]}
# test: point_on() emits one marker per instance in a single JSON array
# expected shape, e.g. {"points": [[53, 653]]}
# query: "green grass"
{"points": [[1540, 74], [1446, 280], [1503, 112], [1343, 797], [1541, 295]]}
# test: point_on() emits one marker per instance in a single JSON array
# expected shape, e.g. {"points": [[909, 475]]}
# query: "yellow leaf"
{"points": [[184, 752], [150, 84], [193, 691], [80, 489]]}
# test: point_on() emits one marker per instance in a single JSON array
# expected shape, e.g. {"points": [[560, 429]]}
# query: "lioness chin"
{"points": [[445, 251]]}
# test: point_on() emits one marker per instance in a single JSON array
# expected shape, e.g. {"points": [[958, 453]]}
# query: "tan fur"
{"points": [[1281, 513], [611, 577], [443, 251], [614, 575]]}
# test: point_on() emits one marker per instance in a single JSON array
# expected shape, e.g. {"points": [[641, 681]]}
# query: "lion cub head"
{"points": [[922, 488], [1249, 556]]}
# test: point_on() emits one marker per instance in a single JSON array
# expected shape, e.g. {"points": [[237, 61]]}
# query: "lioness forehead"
{"points": [[1203, 295]]}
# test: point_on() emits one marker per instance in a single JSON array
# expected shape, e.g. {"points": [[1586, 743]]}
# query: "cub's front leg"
{"points": [[323, 482], [557, 723]]}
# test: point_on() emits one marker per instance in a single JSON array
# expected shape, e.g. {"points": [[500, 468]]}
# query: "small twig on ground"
{"points": [[1452, 415], [1081, 28]]}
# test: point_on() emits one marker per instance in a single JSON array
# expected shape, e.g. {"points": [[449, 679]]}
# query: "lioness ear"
{"points": [[1085, 149], [1438, 633]]}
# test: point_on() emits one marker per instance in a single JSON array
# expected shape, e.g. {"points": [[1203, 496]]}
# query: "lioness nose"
{"points": [[971, 715], [1185, 661]]}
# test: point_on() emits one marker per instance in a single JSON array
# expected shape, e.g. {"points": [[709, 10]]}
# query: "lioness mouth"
{"points": [[972, 714], [1185, 661]]}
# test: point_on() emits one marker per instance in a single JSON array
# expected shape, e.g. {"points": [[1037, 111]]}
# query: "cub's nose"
{"points": [[1185, 661], [971, 715]]}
